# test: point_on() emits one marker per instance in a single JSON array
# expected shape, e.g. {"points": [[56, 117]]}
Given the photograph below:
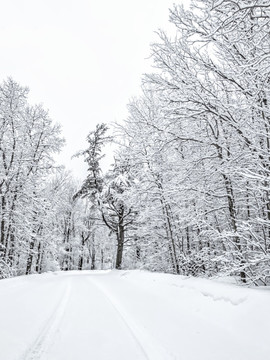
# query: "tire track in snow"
{"points": [[46, 337], [150, 349]]}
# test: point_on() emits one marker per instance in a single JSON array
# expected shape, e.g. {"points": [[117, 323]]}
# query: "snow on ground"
{"points": [[131, 315]]}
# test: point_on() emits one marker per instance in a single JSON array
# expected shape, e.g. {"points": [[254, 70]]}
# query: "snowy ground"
{"points": [[131, 315]]}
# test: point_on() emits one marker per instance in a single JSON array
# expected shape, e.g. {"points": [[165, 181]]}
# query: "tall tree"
{"points": [[28, 140], [106, 192]]}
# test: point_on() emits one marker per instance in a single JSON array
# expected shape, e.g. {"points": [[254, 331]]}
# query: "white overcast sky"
{"points": [[83, 59]]}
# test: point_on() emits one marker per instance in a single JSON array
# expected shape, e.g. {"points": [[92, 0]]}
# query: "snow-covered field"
{"points": [[131, 315]]}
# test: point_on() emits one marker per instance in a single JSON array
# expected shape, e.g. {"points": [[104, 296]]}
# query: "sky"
{"points": [[83, 60]]}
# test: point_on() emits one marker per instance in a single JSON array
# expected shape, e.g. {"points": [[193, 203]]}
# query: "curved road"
{"points": [[85, 321]]}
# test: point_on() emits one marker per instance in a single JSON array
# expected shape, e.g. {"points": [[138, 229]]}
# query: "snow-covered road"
{"points": [[131, 315]]}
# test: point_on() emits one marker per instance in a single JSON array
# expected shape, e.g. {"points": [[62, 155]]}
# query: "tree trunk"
{"points": [[102, 259], [39, 257], [93, 260], [120, 238], [2, 227], [231, 206], [30, 258], [80, 265]]}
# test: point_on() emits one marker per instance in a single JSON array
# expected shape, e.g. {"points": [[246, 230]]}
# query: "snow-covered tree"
{"points": [[28, 140], [200, 135]]}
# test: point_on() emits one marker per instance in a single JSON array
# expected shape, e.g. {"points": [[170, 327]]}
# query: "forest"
{"points": [[189, 190]]}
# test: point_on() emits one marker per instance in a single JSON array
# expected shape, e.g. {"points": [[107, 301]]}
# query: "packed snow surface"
{"points": [[131, 315]]}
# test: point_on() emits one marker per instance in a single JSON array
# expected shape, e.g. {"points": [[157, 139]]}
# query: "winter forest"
{"points": [[189, 190]]}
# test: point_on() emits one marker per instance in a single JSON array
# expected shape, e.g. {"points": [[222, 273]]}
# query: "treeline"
{"points": [[189, 191], [193, 163], [198, 143], [42, 227], [27, 142]]}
